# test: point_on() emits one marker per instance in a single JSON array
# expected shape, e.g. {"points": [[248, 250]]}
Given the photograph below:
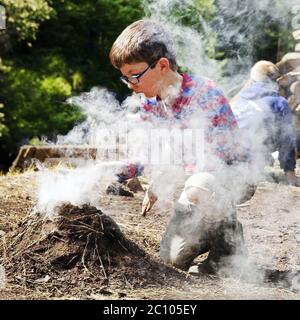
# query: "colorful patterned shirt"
{"points": [[199, 96]]}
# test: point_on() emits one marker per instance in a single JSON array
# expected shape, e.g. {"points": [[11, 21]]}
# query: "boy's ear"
{"points": [[164, 65]]}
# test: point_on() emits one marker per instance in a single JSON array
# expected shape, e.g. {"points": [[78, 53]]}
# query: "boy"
{"points": [[144, 54], [265, 119]]}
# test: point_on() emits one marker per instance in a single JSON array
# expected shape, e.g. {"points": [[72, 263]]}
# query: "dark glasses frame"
{"points": [[135, 78]]}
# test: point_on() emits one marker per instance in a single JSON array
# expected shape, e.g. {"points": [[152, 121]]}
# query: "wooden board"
{"points": [[27, 154]]}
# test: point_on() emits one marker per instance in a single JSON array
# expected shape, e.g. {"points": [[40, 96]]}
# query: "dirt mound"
{"points": [[86, 234], [82, 245], [37, 254], [78, 235]]}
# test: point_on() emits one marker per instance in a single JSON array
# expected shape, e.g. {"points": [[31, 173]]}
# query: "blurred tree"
{"points": [[51, 50], [23, 20]]}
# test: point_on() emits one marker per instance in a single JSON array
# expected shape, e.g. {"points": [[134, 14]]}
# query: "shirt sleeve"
{"points": [[130, 170], [222, 128]]}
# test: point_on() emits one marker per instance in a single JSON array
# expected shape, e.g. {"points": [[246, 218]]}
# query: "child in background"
{"points": [[265, 120]]}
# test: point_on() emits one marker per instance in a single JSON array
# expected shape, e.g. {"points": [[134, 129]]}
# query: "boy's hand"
{"points": [[148, 202]]}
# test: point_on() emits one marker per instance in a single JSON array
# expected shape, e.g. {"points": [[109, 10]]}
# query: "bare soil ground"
{"points": [[29, 247]]}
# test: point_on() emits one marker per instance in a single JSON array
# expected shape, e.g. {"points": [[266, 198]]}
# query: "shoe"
{"points": [[203, 268]]}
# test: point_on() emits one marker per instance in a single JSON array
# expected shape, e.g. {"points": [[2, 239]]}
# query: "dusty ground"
{"points": [[271, 221]]}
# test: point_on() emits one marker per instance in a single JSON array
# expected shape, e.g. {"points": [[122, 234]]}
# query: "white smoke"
{"points": [[101, 109], [82, 185], [236, 26], [111, 128], [105, 115]]}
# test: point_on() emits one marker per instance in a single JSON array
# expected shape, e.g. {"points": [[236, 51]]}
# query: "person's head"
{"points": [[264, 71], [144, 54]]}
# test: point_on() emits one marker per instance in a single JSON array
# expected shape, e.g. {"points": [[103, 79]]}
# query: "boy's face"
{"points": [[150, 82]]}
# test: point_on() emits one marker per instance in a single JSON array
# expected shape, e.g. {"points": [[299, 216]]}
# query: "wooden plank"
{"points": [[44, 153]]}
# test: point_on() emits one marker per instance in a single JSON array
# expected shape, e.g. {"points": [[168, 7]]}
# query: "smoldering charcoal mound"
{"points": [[78, 235], [82, 249]]}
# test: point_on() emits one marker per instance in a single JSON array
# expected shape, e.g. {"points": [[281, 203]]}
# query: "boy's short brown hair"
{"points": [[143, 41]]}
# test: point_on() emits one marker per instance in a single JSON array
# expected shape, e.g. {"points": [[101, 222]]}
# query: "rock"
{"points": [[289, 62], [297, 47], [287, 79], [247, 194], [117, 189], [295, 90], [296, 35], [296, 71], [121, 294], [292, 102], [293, 58], [284, 67], [134, 185]]}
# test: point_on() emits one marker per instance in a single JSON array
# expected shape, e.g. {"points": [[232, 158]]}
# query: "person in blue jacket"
{"points": [[266, 121]]}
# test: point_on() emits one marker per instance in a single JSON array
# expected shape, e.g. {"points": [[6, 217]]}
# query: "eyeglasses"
{"points": [[135, 78]]}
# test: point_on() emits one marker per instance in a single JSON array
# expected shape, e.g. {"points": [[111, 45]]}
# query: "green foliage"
{"points": [[56, 87], [24, 16], [192, 13], [274, 42], [197, 13], [77, 80], [36, 141], [206, 8], [35, 106], [83, 32], [3, 127], [53, 49]]}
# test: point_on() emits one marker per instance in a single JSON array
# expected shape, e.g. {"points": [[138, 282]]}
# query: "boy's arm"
{"points": [[130, 170]]}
